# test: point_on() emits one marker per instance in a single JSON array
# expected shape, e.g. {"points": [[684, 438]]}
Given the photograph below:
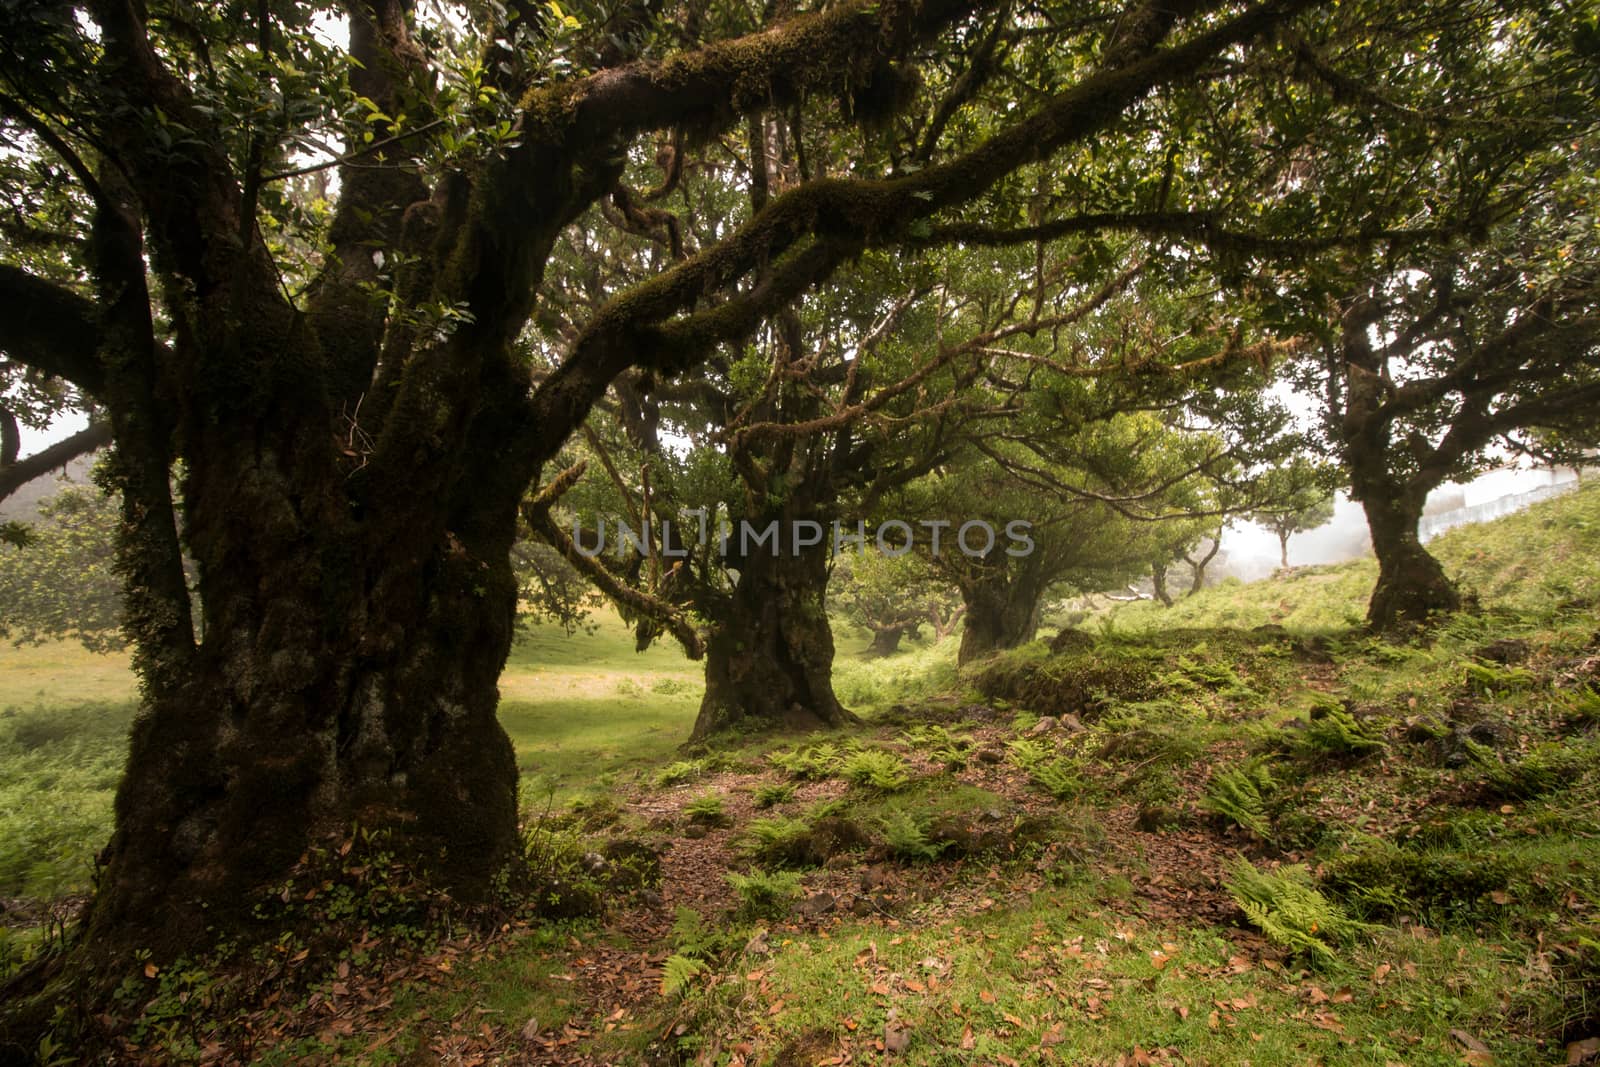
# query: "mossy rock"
{"points": [[1448, 888], [1081, 682], [631, 864]]}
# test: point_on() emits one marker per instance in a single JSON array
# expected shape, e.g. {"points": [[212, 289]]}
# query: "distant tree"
{"points": [[552, 589], [892, 596], [1095, 503], [1433, 359], [1304, 507], [61, 583]]}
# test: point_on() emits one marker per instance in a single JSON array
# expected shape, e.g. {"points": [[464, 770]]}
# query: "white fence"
{"points": [[1434, 525]]}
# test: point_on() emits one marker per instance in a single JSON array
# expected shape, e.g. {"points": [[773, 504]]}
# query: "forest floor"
{"points": [[1236, 831]]}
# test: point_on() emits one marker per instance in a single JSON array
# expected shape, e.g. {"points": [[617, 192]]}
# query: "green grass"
{"points": [[1416, 883], [1062, 971], [1543, 561], [59, 769]]}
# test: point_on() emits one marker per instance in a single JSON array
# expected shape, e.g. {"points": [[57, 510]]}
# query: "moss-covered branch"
{"points": [[50, 328]]}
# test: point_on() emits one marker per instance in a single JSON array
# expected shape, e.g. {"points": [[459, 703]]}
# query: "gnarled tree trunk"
{"points": [[1412, 586], [886, 640], [1002, 610], [348, 677], [769, 656], [1158, 580]]}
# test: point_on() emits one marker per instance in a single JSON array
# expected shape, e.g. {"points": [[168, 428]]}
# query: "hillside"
{"points": [[1237, 830]]}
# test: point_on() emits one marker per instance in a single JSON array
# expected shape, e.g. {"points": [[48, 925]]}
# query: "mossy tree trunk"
{"points": [[1412, 585], [886, 640], [1158, 580], [1392, 482], [1003, 605], [347, 680], [769, 655]]}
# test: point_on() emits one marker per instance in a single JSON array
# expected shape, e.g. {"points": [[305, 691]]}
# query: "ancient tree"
{"points": [[331, 352]]}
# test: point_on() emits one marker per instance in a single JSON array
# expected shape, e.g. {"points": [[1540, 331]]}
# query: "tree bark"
{"points": [[1002, 612], [1412, 585], [1198, 566], [886, 641], [340, 685], [769, 656], [1158, 579], [1283, 548]]}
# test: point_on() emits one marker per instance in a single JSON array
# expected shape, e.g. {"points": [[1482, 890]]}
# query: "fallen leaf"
{"points": [[1585, 1051]]}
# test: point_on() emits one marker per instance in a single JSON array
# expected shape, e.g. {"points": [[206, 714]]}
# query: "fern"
{"points": [[773, 840], [680, 772], [1335, 732], [768, 796], [1239, 795], [907, 839], [1059, 778], [1491, 680], [1287, 907], [705, 809], [678, 972], [951, 751], [877, 769], [1027, 753], [810, 764], [1540, 772], [765, 895], [692, 936]]}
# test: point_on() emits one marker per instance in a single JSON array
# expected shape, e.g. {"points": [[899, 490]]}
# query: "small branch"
{"points": [[14, 476]]}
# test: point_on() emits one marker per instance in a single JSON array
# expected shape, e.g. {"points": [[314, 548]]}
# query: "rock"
{"points": [[650, 898], [990, 756], [816, 906], [876, 878], [530, 1030], [713, 820], [1069, 722], [1505, 651], [633, 864], [1043, 726], [992, 815], [1585, 1051], [992, 839], [758, 945], [828, 838], [952, 833], [596, 866], [896, 1036], [1424, 728], [1071, 640], [695, 831], [1158, 817], [1455, 747]]}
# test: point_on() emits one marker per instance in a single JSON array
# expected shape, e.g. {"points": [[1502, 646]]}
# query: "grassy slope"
{"points": [[1111, 939]]}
